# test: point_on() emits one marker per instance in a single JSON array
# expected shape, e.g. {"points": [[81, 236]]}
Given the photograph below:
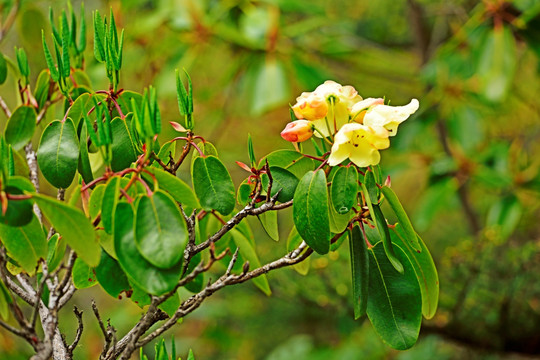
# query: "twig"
{"points": [[80, 328], [5, 108]]}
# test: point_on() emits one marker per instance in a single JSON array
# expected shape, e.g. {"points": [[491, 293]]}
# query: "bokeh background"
{"points": [[466, 166]]}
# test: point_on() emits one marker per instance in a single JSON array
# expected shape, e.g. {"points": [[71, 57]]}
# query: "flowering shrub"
{"points": [[132, 226]]}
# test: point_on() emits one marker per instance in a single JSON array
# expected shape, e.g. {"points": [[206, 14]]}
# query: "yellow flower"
{"points": [[372, 112], [327, 107], [360, 144], [297, 131]]}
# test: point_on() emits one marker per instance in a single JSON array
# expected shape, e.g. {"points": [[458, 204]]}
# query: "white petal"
{"points": [[390, 116]]}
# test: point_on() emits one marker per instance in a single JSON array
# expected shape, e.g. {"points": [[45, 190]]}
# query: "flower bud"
{"points": [[310, 106], [297, 131]]}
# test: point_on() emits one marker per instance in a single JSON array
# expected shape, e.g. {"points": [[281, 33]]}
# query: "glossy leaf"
{"points": [[124, 149], [425, 270], [83, 275], [247, 251], [73, 226], [310, 211], [344, 189], [25, 244], [177, 188], [160, 230], [394, 304], [290, 160], [84, 167], [111, 277], [402, 217], [213, 185], [382, 229], [151, 279], [58, 153], [20, 127], [109, 202], [283, 181], [359, 271]]}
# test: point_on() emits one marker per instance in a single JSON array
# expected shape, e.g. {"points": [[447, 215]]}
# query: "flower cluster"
{"points": [[359, 127]]}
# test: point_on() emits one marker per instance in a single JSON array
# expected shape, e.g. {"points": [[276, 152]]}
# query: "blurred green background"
{"points": [[466, 166]]}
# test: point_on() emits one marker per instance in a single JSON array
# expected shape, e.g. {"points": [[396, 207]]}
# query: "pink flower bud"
{"points": [[297, 131]]}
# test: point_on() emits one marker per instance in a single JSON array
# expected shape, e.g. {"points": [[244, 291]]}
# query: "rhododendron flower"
{"points": [[372, 112], [360, 144], [327, 107], [297, 131]]}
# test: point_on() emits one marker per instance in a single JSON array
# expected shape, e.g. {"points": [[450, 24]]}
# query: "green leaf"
{"points": [[25, 244], [371, 186], [251, 152], [84, 167], [171, 305], [243, 193], [41, 91], [151, 279], [338, 222], [344, 189], [359, 270], [269, 223], [124, 149], [402, 217], [20, 127], [58, 153], [160, 230], [3, 69], [19, 212], [178, 189], [73, 226], [190, 355], [394, 304], [290, 160], [248, 253], [384, 233], [22, 62], [213, 184], [382, 229], [109, 202], [5, 300], [111, 277], [56, 251], [66, 67], [425, 270], [198, 283], [96, 199], [55, 75], [99, 38], [283, 181], [83, 275], [310, 211]]}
